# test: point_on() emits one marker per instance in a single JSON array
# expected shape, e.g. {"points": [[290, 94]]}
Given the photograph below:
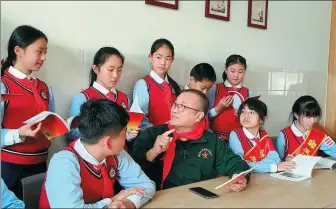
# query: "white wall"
{"points": [[285, 61]]}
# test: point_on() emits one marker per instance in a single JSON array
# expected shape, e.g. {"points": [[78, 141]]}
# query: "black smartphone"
{"points": [[203, 192]]}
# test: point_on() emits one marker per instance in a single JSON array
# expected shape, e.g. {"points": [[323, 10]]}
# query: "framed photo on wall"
{"points": [[217, 9], [257, 14], [171, 4]]}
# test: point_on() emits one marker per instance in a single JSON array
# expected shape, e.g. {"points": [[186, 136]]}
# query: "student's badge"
{"points": [[112, 172], [43, 95], [123, 104], [173, 91]]}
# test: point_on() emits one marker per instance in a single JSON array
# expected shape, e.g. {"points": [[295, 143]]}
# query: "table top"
{"points": [[262, 191]]}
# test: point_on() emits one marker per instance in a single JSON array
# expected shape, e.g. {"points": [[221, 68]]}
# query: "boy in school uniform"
{"points": [[8, 198], [182, 151], [202, 77], [87, 170]]}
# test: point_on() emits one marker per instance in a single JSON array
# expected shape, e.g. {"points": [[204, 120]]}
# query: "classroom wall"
{"points": [[287, 60]]}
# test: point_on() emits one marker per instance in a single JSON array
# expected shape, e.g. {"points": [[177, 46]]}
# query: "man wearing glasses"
{"points": [[182, 151]]}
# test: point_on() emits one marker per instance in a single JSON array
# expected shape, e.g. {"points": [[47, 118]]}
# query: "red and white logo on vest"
{"points": [[112, 172], [43, 95], [205, 153], [123, 104]]}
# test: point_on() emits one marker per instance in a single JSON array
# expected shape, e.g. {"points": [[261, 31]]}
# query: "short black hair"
{"points": [[256, 105], [203, 98], [101, 117], [203, 71], [306, 106]]}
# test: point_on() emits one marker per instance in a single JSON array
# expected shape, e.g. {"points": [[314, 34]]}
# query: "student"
{"points": [[252, 143], [225, 98], [154, 94], [8, 198], [202, 77], [301, 137], [94, 163], [104, 76], [182, 151], [24, 150]]}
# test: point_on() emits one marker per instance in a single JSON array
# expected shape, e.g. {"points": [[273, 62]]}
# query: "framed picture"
{"points": [[257, 14], [171, 4], [217, 9]]}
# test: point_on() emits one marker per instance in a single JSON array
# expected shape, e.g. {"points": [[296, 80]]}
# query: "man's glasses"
{"points": [[181, 107]]}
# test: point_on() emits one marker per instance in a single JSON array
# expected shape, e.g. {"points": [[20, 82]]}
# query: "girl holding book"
{"points": [[301, 137], [252, 143], [24, 148], [104, 75], [226, 97]]}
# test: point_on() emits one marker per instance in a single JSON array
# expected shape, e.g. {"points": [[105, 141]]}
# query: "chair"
{"points": [[32, 186]]}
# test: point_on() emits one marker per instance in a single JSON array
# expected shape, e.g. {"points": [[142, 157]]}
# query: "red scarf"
{"points": [[194, 134]]}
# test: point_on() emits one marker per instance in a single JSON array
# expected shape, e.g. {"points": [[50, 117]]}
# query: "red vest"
{"points": [[227, 120], [31, 151], [120, 97], [92, 183], [298, 145], [256, 153], [158, 111]]}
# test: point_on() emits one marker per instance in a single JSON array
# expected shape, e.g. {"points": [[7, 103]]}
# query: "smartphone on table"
{"points": [[203, 192]]}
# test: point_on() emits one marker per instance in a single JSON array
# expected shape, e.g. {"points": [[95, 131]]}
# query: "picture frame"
{"points": [[257, 14], [216, 9], [170, 4]]}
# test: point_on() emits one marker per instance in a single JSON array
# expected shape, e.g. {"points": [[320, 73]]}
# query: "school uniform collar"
{"points": [[228, 84], [157, 78], [18, 74], [249, 135], [102, 89], [85, 155], [186, 87], [296, 131]]}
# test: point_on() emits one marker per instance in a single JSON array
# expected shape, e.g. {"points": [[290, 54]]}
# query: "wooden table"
{"points": [[262, 191]]}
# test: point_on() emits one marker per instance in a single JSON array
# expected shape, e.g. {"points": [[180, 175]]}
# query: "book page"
{"points": [[304, 164], [39, 117], [290, 176], [325, 163]]}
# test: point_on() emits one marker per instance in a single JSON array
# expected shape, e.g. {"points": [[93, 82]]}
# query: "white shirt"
{"points": [[102, 89]]}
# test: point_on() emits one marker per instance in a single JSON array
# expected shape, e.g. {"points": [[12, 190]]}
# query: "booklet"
{"points": [[53, 125], [135, 120], [6, 97], [326, 163], [302, 171], [236, 178]]}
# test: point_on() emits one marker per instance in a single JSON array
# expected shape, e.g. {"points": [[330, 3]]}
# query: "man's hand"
{"points": [[237, 187], [161, 144]]}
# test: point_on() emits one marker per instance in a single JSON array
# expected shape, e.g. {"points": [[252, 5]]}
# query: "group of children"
{"points": [[99, 160]]}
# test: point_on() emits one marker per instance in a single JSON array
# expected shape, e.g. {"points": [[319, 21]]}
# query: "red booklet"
{"points": [[135, 120], [6, 97], [53, 125]]}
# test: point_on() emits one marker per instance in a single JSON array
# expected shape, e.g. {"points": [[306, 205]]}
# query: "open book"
{"points": [[236, 178], [302, 171], [135, 120], [326, 163], [53, 125], [5, 97]]}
